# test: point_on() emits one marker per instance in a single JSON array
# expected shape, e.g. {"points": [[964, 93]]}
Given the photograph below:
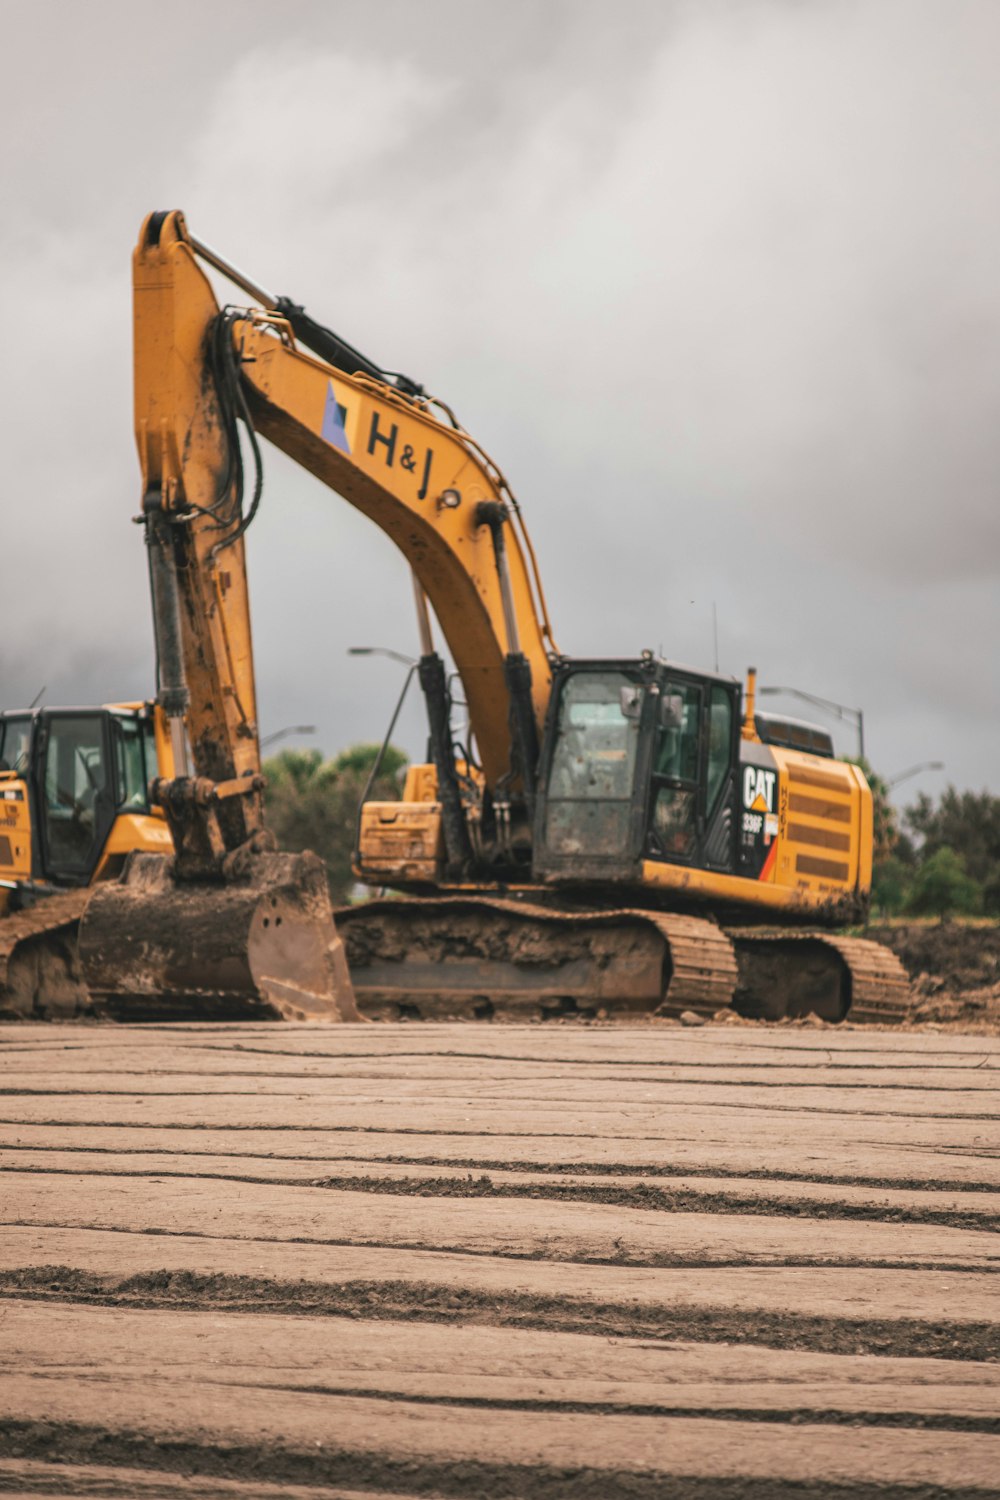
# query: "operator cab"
{"points": [[79, 768], [639, 763]]}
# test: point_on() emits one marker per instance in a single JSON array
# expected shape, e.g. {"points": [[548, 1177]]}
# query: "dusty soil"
{"points": [[535, 1262], [955, 968]]}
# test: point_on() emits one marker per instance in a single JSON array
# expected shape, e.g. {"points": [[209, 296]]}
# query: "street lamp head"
{"points": [[925, 765], [280, 734], [407, 661]]}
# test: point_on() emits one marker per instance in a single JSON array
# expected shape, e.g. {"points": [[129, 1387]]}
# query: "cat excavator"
{"points": [[614, 836]]}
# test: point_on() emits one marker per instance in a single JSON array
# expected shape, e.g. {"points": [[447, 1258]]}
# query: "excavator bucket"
{"points": [[155, 948]]}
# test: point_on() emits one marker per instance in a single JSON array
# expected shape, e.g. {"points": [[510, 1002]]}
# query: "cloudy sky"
{"points": [[715, 281]]}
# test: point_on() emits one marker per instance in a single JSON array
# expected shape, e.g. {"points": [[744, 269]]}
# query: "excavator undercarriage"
{"points": [[480, 958]]}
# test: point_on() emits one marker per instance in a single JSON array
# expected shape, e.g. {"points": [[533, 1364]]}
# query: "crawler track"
{"points": [[797, 973], [39, 972], [476, 957]]}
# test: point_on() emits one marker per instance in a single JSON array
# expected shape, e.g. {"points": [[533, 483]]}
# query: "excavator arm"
{"points": [[434, 493], [228, 925], [195, 514]]}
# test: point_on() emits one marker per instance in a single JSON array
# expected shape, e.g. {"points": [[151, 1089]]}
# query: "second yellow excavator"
{"points": [[74, 803], [623, 835]]}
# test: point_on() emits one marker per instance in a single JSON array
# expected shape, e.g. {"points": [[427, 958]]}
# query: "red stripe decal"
{"points": [[772, 854]]}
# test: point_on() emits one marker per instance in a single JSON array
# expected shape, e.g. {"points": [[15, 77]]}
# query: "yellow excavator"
{"points": [[623, 835], [74, 803]]}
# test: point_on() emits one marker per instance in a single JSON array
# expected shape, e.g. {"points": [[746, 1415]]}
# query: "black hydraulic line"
{"points": [[516, 667], [322, 341], [523, 727], [377, 764], [458, 845], [337, 351]]}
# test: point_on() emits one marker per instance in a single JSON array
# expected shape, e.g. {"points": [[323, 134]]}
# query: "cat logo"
{"points": [[758, 789]]}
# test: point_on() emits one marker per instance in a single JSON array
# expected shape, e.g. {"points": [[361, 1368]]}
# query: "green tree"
{"points": [[968, 823], [312, 803], [891, 886], [942, 886]]}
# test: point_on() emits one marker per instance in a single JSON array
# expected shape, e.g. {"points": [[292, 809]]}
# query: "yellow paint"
{"points": [[183, 456], [145, 831], [15, 826]]}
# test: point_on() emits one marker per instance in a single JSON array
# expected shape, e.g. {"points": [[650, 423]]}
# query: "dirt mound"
{"points": [[955, 968], [962, 955]]}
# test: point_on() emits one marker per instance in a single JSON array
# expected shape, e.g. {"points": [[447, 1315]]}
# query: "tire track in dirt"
{"points": [[381, 1477], [641, 1195], [428, 1302], [429, 1187], [72, 1142]]}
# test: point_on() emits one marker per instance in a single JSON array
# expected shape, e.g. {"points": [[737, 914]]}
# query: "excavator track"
{"points": [[788, 973], [477, 958], [39, 961], [459, 957]]}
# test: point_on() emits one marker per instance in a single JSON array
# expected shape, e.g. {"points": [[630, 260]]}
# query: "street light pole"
{"points": [[925, 765], [411, 665], [841, 710]]}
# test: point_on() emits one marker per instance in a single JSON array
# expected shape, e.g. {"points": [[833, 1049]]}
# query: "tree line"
{"points": [[936, 858]]}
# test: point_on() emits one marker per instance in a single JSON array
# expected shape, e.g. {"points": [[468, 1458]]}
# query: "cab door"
{"points": [[691, 818], [75, 793], [589, 817]]}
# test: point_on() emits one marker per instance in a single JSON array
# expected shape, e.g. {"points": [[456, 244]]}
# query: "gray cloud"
{"points": [[714, 283]]}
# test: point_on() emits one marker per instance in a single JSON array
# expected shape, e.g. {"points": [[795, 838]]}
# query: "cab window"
{"points": [[720, 739], [596, 740], [76, 787], [591, 781], [131, 775], [15, 741], [673, 820]]}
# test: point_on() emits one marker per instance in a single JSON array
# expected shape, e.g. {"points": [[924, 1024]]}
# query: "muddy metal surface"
{"points": [[418, 1260]]}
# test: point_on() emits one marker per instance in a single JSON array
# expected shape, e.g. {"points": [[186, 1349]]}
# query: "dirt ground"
{"points": [[538, 1262], [955, 968]]}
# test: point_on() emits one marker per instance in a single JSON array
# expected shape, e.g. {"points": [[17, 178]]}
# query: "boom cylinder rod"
{"points": [[265, 299], [172, 688], [423, 618], [493, 513], [458, 845]]}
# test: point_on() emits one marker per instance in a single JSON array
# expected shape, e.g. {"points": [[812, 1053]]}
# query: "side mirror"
{"points": [[630, 699]]}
